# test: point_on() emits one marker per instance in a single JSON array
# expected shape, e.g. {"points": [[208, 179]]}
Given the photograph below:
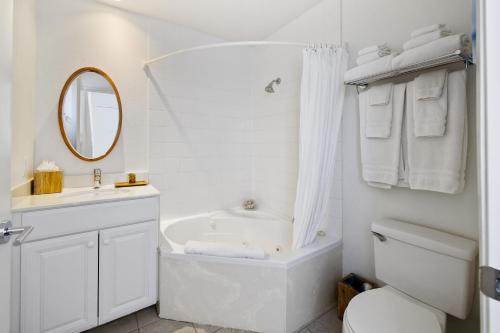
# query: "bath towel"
{"points": [[430, 103], [438, 163], [374, 48], [382, 65], [369, 57], [434, 49], [426, 38], [223, 250], [426, 29], [381, 157], [379, 111]]}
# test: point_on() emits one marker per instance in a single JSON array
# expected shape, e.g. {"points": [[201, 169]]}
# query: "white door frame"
{"points": [[489, 151], [6, 36]]}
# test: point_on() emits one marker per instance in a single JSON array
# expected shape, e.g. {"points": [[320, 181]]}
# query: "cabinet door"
{"points": [[59, 284], [127, 270]]}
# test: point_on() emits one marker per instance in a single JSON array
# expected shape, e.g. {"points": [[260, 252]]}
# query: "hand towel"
{"points": [[438, 163], [223, 250], [434, 49], [430, 103], [374, 48], [382, 65], [427, 29], [380, 158], [379, 111], [371, 57], [426, 38]]}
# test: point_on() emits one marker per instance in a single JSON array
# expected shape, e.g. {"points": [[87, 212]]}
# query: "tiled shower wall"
{"points": [[201, 131], [217, 138], [276, 130]]}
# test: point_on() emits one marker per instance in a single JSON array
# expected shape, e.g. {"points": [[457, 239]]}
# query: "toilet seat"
{"points": [[386, 310]]}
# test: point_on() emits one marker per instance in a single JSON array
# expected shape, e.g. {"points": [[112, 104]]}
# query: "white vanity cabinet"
{"points": [[59, 284], [86, 264], [127, 270]]}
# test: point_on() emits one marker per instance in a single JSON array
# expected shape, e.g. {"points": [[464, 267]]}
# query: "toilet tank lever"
{"points": [[380, 237]]}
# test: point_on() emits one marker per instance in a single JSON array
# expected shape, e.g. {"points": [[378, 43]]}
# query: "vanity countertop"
{"points": [[81, 196]]}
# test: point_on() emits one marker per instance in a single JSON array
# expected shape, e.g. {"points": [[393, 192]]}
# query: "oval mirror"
{"points": [[90, 114]]}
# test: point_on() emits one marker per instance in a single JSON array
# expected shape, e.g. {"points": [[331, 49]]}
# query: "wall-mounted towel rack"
{"points": [[455, 61]]}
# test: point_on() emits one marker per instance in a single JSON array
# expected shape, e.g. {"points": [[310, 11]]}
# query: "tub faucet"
{"points": [[249, 204], [97, 178]]}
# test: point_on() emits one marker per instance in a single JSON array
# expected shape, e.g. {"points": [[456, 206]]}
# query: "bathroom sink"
{"points": [[90, 193]]}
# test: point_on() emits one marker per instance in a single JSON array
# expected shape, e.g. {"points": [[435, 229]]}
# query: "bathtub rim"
{"points": [[170, 249]]}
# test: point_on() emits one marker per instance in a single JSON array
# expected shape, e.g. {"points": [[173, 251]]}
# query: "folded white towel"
{"points": [[427, 29], [379, 111], [430, 103], [371, 57], [380, 158], [382, 65], [438, 163], [223, 250], [426, 38], [434, 49], [374, 48]]}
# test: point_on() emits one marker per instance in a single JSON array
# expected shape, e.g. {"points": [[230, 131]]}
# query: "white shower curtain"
{"points": [[322, 99]]}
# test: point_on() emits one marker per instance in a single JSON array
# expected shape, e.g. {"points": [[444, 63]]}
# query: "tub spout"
{"points": [[249, 204]]}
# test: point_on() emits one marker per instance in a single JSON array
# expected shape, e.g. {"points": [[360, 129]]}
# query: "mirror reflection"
{"points": [[90, 115]]}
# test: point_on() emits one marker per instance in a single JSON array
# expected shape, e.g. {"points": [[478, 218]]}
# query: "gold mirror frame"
{"points": [[60, 112]]}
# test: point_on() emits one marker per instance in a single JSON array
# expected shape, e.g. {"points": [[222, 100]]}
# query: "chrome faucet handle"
{"points": [[97, 178]]}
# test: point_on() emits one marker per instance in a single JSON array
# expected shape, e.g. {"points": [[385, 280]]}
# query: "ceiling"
{"points": [[228, 19]]}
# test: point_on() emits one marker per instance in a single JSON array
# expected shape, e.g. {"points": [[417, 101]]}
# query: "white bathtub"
{"points": [[279, 294]]}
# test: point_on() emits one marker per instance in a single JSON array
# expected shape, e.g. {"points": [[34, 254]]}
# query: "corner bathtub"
{"points": [[281, 293]]}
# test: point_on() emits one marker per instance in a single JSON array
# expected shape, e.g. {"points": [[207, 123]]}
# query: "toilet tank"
{"points": [[432, 266]]}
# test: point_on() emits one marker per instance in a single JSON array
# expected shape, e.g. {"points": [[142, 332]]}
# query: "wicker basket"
{"points": [[349, 287]]}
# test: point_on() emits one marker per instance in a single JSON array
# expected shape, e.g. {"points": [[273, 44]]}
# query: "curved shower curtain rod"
{"points": [[212, 46]]}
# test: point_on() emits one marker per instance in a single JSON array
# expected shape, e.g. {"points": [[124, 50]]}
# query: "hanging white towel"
{"points": [[427, 29], [374, 48], [426, 38], [430, 103], [384, 64], [381, 158], [434, 49], [223, 250], [438, 163], [379, 111]]}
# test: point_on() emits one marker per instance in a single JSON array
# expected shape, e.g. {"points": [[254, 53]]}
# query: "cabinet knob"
{"points": [[90, 244], [106, 242]]}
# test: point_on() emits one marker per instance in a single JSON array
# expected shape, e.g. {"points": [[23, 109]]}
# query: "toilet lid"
{"points": [[385, 311]]}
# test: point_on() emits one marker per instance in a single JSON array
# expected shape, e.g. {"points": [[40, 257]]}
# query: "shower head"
{"points": [[270, 87]]}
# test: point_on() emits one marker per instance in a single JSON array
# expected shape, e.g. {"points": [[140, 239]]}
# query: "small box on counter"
{"points": [[46, 182]]}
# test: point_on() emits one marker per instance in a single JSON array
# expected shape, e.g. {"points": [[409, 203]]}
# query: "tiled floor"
{"points": [[147, 321]]}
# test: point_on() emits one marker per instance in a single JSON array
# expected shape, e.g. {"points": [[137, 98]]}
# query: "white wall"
{"points": [[366, 22], [73, 34], [24, 93], [453, 213], [6, 35]]}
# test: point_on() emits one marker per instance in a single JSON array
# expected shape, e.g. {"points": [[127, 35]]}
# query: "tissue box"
{"points": [[47, 182]]}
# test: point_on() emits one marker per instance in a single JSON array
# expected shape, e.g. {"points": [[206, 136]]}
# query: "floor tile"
{"points": [[126, 324], [206, 328], [232, 330], [147, 316], [304, 330], [167, 326], [327, 323]]}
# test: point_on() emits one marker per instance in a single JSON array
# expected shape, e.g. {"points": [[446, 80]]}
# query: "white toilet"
{"points": [[428, 273]]}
